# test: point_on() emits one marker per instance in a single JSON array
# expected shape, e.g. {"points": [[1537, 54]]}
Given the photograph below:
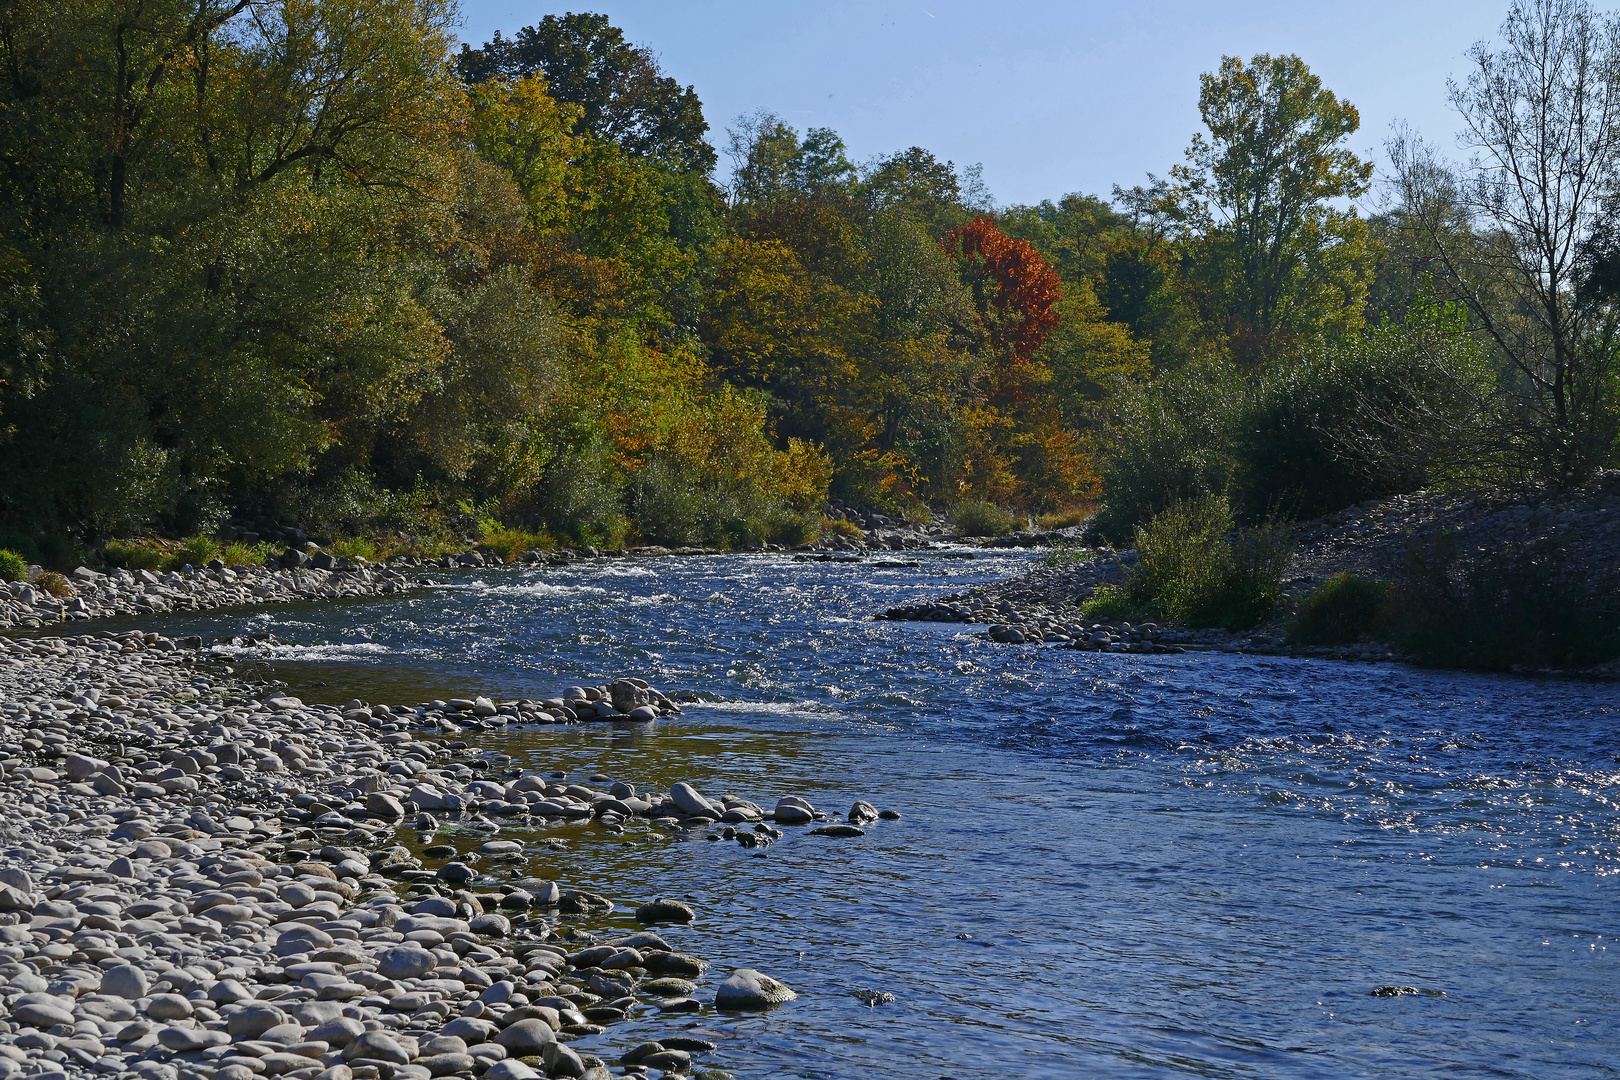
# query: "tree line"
{"points": [[305, 259]]}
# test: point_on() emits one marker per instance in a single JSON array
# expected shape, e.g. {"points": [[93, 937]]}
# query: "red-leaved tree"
{"points": [[1016, 292]]}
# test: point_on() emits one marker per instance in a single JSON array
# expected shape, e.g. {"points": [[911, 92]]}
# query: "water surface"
{"points": [[1115, 865]]}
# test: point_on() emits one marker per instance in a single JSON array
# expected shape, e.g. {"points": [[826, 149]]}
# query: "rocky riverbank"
{"points": [[199, 883], [1371, 539], [87, 594]]}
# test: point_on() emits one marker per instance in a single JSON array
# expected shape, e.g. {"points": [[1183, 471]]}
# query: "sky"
{"points": [[1050, 97]]}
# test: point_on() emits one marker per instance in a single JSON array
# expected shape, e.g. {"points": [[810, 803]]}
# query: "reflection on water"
{"points": [[1107, 865]]}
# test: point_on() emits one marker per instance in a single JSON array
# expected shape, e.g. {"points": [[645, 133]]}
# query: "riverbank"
{"points": [[1373, 540], [88, 594], [204, 880]]}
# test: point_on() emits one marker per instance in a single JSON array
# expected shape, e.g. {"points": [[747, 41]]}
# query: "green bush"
{"points": [[1340, 423], [1108, 602], [1520, 605], [509, 544], [667, 506], [1166, 441], [134, 555], [13, 567], [353, 547], [1192, 567], [1340, 611], [240, 554], [982, 519], [196, 551], [1064, 554], [842, 527], [582, 494], [791, 530]]}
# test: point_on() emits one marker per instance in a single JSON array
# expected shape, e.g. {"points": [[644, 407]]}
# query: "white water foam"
{"points": [[306, 652]]}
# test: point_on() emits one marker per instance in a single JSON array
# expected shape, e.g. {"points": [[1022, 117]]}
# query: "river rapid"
{"points": [[1107, 865]]}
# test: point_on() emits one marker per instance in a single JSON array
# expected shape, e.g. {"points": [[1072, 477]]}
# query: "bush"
{"points": [[13, 567], [1340, 611], [1063, 554], [240, 554], [1193, 569], [791, 530], [1108, 602], [841, 527], [1522, 605], [508, 543], [982, 519], [1066, 519], [1376, 414], [134, 555], [196, 551], [55, 584], [353, 547], [1165, 441]]}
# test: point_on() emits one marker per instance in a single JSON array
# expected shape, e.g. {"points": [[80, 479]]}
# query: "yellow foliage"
{"points": [[519, 126]]}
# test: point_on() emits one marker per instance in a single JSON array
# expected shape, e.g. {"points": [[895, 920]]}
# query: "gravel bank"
{"points": [[91, 594], [196, 884]]}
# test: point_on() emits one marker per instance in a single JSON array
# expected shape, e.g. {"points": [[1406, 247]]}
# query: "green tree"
{"points": [[1524, 236], [766, 163], [1274, 261], [622, 94]]}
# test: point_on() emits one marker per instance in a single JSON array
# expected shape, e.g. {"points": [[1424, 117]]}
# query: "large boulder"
{"points": [[526, 1037], [405, 962], [750, 989], [626, 695], [689, 801], [254, 1020]]}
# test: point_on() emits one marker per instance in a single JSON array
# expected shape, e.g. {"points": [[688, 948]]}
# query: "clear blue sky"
{"points": [[1051, 97]]}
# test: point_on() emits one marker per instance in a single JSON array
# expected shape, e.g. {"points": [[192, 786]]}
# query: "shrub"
{"points": [[1340, 611], [240, 554], [1192, 569], [1165, 441], [982, 519], [13, 567], [1065, 519], [1520, 605], [509, 544], [666, 504], [840, 527], [55, 584], [1063, 554], [791, 530], [134, 555], [1108, 602], [353, 547], [582, 493], [196, 551]]}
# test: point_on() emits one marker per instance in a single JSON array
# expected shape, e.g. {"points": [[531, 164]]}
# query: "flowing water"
{"points": [[1108, 865]]}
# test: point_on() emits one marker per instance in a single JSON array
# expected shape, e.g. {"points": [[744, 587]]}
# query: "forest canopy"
{"points": [[316, 260]]}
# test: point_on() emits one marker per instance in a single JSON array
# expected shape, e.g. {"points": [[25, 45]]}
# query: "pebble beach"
{"points": [[197, 882]]}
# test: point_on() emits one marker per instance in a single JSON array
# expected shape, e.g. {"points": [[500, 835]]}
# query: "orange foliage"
{"points": [[1016, 291]]}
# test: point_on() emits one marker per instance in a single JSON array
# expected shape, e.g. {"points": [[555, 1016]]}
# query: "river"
{"points": [[1107, 865]]}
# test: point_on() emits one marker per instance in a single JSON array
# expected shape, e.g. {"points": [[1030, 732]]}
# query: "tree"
{"points": [[1016, 292], [1275, 261], [771, 162], [1523, 234], [916, 183], [765, 158], [521, 128], [622, 94], [823, 163]]}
